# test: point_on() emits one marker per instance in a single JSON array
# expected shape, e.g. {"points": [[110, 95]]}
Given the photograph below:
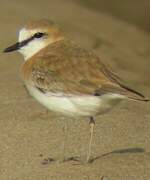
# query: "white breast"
{"points": [[75, 105]]}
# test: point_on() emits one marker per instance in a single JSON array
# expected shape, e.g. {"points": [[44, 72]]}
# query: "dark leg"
{"points": [[91, 123]]}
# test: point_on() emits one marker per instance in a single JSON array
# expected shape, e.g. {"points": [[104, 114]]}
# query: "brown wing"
{"points": [[68, 69]]}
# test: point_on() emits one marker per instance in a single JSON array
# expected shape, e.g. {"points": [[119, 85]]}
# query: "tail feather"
{"points": [[120, 88], [133, 94]]}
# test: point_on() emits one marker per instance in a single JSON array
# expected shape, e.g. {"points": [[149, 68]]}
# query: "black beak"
{"points": [[14, 47], [18, 45]]}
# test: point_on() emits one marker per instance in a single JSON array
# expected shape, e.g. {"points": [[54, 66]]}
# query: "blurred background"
{"points": [[134, 12], [119, 32]]}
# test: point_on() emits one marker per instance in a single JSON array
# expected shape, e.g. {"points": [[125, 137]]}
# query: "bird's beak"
{"points": [[18, 45], [14, 47]]}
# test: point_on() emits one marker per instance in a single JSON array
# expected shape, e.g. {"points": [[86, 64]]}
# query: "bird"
{"points": [[66, 78]]}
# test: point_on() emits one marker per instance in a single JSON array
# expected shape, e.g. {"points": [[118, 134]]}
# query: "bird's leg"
{"points": [[91, 123], [64, 158], [65, 129]]}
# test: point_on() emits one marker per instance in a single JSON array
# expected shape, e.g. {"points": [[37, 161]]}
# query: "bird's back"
{"points": [[67, 68]]}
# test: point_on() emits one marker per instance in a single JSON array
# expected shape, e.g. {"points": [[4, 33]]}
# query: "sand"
{"points": [[29, 133]]}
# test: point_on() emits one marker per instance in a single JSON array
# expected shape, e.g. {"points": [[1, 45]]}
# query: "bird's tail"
{"points": [[119, 87], [133, 94]]}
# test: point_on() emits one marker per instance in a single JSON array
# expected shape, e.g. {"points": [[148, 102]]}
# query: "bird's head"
{"points": [[34, 36]]}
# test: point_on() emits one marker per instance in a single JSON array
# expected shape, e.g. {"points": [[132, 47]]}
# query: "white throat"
{"points": [[32, 48]]}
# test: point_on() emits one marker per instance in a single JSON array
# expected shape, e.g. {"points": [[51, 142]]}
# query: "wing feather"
{"points": [[68, 69]]}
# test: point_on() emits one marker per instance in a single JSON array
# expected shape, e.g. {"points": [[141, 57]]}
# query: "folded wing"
{"points": [[74, 71]]}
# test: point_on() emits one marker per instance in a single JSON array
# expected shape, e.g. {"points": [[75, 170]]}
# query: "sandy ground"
{"points": [[28, 133]]}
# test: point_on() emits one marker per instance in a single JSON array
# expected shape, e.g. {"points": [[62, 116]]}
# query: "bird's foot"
{"points": [[48, 160], [71, 159], [74, 160]]}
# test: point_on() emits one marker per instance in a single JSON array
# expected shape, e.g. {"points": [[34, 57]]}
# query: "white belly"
{"points": [[86, 105]]}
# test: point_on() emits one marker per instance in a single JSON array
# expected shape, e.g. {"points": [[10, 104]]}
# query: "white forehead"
{"points": [[27, 33]]}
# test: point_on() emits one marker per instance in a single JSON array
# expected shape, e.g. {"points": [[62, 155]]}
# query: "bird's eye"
{"points": [[39, 35]]}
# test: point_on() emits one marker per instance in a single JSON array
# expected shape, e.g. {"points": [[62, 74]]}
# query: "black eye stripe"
{"points": [[24, 42], [19, 45], [39, 35]]}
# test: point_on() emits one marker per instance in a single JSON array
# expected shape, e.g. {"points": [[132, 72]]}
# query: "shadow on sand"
{"points": [[120, 151]]}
